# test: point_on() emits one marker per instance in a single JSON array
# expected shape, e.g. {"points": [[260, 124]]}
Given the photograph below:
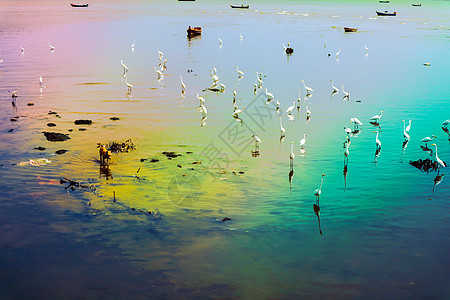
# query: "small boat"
{"points": [[193, 31], [240, 6], [386, 13], [79, 5], [416, 4], [381, 1], [349, 29]]}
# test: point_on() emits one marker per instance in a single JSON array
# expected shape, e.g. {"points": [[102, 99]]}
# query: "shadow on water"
{"points": [[437, 180]]}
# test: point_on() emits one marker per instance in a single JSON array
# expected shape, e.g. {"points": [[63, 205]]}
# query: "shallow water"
{"points": [[385, 233]]}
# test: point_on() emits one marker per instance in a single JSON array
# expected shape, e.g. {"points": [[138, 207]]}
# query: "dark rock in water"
{"points": [[153, 160], [82, 129], [179, 166], [83, 122], [11, 130], [188, 152], [241, 172], [116, 147], [30, 104], [13, 120], [61, 151], [196, 162], [191, 169], [425, 165], [171, 154], [114, 118], [58, 116], [70, 130], [52, 113], [143, 159], [226, 219], [40, 148], [51, 124], [56, 136]]}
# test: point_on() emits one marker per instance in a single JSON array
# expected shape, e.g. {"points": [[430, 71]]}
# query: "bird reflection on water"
{"points": [[438, 179]]}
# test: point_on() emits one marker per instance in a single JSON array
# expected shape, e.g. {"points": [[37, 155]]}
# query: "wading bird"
{"points": [[14, 94], [376, 118], [308, 89], [269, 96], [291, 155], [257, 141], [125, 69], [308, 113], [129, 86], [240, 35], [282, 130], [290, 108], [240, 73], [408, 128], [318, 191], [337, 53], [438, 160], [356, 122], [335, 89], [52, 48], [22, 49], [377, 141], [346, 94], [220, 41], [405, 133], [160, 74], [183, 86], [303, 142], [428, 139]]}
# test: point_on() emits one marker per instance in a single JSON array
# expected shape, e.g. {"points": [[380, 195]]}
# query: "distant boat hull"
{"points": [[349, 29], [79, 5], [384, 1], [240, 6], [386, 13], [416, 4], [193, 31]]}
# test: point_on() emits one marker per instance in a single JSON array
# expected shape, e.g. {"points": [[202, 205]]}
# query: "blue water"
{"points": [[385, 233]]}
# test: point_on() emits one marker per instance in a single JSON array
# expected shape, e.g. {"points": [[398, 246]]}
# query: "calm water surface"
{"points": [[385, 232]]}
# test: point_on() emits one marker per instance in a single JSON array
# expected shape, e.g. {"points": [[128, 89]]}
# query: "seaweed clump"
{"points": [[425, 165], [117, 147]]}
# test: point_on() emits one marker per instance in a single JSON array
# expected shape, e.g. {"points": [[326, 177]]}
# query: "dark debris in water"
{"points": [[40, 148], [171, 154], [425, 165], [75, 184], [114, 118], [56, 136], [51, 124], [83, 122], [61, 151], [117, 147]]}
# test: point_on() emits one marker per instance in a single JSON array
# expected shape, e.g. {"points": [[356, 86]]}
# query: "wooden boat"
{"points": [[79, 5], [386, 13], [349, 29], [240, 6], [416, 4], [193, 31]]}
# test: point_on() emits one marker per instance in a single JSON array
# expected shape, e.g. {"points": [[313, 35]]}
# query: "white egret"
{"points": [[308, 113], [160, 74], [278, 106], [214, 70], [347, 130], [303, 142], [355, 121], [255, 88], [240, 73], [163, 65], [257, 140], [40, 81], [377, 141], [240, 35], [335, 89], [203, 108], [408, 128], [282, 130], [405, 133], [445, 123], [428, 139], [376, 118], [308, 89], [259, 80], [22, 49], [269, 96], [200, 98], [14, 94], [160, 54], [183, 86], [234, 97], [125, 69], [438, 160], [132, 45], [346, 94], [290, 108], [220, 41], [52, 48], [318, 191], [128, 85], [237, 111], [367, 49], [337, 53]]}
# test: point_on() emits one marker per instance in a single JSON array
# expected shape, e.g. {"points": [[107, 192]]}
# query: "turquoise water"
{"points": [[385, 233]]}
